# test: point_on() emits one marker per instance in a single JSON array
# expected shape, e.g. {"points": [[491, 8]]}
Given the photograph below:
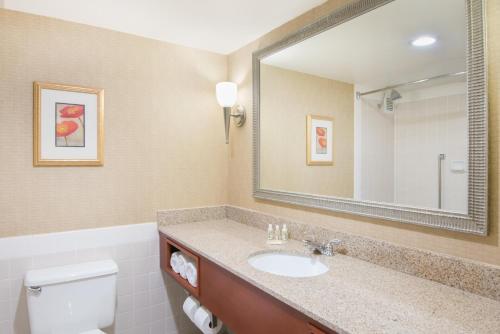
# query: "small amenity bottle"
{"points": [[284, 233], [277, 233], [270, 234]]}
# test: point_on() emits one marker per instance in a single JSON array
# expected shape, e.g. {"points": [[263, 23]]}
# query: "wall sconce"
{"points": [[226, 93]]}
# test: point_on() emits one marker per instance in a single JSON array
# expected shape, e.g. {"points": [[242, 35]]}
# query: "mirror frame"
{"points": [[476, 220]]}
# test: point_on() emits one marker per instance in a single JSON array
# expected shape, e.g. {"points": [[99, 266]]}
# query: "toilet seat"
{"points": [[94, 331]]}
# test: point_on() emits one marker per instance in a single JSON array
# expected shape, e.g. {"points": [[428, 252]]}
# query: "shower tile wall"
{"points": [[422, 130], [148, 301]]}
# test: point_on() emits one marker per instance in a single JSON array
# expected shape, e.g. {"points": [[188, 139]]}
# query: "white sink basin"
{"points": [[290, 265]]}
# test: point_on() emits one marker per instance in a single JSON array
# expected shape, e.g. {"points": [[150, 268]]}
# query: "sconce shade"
{"points": [[226, 93]]}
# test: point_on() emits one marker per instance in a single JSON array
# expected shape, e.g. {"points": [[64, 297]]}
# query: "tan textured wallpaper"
{"points": [[287, 98], [485, 249], [164, 134]]}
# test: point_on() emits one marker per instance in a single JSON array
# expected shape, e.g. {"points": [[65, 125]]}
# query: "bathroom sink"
{"points": [[286, 264]]}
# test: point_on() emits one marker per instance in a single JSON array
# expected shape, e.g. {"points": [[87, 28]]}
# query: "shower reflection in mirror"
{"points": [[417, 130]]}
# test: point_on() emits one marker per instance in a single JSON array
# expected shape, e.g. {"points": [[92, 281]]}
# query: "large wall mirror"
{"points": [[379, 109]]}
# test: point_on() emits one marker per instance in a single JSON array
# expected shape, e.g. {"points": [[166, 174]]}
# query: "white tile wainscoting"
{"points": [[149, 302]]}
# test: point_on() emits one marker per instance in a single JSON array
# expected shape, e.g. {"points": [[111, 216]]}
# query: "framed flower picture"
{"points": [[319, 134], [67, 125]]}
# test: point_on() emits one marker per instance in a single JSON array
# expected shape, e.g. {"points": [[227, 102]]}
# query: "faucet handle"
{"points": [[312, 246], [335, 242], [307, 243], [329, 245]]}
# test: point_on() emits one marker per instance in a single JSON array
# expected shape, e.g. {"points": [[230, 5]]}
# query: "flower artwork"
{"points": [[70, 126], [321, 140], [319, 150]]}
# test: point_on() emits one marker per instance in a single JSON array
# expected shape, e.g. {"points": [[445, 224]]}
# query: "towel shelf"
{"points": [[169, 246]]}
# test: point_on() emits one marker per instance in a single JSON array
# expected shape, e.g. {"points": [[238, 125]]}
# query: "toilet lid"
{"points": [[94, 331]]}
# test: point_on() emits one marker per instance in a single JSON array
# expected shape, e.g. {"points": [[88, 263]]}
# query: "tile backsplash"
{"points": [[148, 301]]}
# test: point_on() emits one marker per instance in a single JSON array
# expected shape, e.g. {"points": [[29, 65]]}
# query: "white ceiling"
{"points": [[220, 26], [374, 49]]}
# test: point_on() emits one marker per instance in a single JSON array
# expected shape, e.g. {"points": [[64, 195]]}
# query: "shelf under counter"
{"points": [[167, 248]]}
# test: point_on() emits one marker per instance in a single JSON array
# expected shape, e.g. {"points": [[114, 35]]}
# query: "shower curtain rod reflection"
{"points": [[358, 94]]}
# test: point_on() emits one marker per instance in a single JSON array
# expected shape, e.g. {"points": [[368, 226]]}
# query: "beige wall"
{"points": [[287, 98], [164, 135], [240, 163]]}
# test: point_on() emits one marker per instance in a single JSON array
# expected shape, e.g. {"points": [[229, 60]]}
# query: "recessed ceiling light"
{"points": [[423, 41]]}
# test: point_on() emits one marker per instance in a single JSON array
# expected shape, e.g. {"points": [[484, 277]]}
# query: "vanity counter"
{"points": [[354, 296]]}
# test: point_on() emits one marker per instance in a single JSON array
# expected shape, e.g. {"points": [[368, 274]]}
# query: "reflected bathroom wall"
{"points": [[288, 97]]}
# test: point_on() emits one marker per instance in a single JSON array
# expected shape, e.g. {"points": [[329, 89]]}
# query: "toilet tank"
{"points": [[71, 299]]}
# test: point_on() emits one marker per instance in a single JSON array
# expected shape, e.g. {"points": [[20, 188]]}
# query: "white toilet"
{"points": [[73, 299]]}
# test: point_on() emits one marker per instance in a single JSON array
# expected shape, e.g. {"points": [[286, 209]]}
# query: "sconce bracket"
{"points": [[239, 115]]}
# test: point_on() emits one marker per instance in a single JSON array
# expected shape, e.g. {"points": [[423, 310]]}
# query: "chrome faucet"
{"points": [[325, 248]]}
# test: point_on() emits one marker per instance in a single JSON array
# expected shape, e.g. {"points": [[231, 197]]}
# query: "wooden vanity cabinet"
{"points": [[244, 308]]}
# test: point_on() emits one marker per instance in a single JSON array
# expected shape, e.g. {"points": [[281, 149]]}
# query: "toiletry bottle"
{"points": [[277, 233], [270, 235], [284, 233]]}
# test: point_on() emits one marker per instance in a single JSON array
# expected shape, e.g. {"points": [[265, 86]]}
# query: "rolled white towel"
{"points": [[181, 265], [174, 261], [192, 273]]}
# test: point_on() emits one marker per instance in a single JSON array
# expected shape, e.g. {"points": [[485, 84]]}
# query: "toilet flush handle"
{"points": [[36, 290]]}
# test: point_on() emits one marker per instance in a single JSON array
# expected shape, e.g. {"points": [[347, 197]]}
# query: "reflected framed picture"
{"points": [[68, 125], [319, 133]]}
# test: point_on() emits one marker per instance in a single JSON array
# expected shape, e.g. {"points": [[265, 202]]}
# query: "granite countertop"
{"points": [[354, 296]]}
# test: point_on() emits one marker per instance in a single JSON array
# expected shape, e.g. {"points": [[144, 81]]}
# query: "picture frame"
{"points": [[68, 125], [319, 140]]}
